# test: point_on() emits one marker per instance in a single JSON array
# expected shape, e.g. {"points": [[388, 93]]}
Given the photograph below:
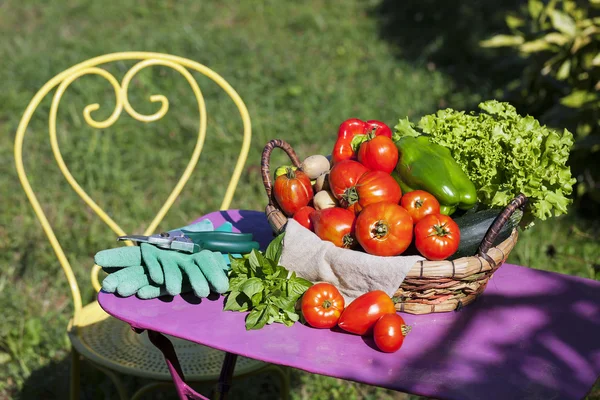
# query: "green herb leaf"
{"points": [[237, 301], [297, 286], [251, 286], [268, 290], [257, 318], [275, 248], [238, 265]]}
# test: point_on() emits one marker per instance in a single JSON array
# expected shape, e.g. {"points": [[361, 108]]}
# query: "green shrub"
{"points": [[559, 40]]}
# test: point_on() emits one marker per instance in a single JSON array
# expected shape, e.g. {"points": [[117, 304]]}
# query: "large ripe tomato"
{"points": [[419, 203], [322, 304], [378, 153], [356, 187], [384, 229], [437, 237], [303, 217], [292, 191], [335, 225], [344, 175], [360, 316], [389, 332], [373, 187]]}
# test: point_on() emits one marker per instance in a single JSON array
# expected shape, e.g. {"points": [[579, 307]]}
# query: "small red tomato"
{"points": [[361, 315], [437, 237], [303, 217], [378, 153], [335, 225], [389, 332], [292, 191], [344, 175], [384, 229], [322, 304], [419, 203]]}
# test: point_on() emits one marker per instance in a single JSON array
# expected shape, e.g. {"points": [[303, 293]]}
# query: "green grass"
{"points": [[301, 68]]}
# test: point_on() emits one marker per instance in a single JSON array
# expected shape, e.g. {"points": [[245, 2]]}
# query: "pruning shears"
{"points": [[188, 241]]}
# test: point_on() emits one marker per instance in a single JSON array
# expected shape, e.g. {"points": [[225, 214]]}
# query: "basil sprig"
{"points": [[257, 283]]}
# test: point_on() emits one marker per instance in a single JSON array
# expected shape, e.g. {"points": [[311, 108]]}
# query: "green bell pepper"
{"points": [[430, 167]]}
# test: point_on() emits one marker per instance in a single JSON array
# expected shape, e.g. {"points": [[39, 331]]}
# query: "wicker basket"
{"points": [[430, 286]]}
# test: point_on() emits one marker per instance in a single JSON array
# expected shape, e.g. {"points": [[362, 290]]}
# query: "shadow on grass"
{"points": [[444, 35]]}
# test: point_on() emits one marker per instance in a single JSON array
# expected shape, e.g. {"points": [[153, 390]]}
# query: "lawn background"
{"points": [[301, 67]]}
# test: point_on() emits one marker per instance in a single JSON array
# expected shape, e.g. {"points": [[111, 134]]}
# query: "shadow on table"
{"points": [[445, 35], [556, 367]]}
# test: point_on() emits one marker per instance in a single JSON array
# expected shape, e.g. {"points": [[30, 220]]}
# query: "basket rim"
{"points": [[465, 266]]}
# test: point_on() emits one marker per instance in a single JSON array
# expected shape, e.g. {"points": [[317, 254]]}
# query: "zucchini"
{"points": [[474, 226]]}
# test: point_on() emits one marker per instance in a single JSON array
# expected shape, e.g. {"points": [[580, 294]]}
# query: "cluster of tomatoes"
{"points": [[358, 204], [373, 313]]}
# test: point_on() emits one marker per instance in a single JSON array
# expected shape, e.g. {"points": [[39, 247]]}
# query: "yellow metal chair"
{"points": [[109, 344]]}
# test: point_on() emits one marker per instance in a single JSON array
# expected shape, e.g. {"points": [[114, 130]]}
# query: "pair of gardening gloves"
{"points": [[149, 271]]}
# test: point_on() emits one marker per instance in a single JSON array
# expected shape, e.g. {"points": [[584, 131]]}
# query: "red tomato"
{"points": [[419, 203], [344, 175], [361, 315], [378, 153], [303, 217], [292, 191], [372, 187], [335, 225], [437, 237], [384, 229], [389, 332], [322, 304]]}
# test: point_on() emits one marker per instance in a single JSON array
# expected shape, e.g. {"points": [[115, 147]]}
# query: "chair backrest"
{"points": [[94, 67]]}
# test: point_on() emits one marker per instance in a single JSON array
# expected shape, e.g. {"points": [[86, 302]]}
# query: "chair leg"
{"points": [[151, 386], [75, 374], [121, 390], [284, 379]]}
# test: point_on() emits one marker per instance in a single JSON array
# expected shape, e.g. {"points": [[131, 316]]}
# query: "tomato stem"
{"points": [[289, 172], [326, 304], [380, 229], [347, 241], [418, 203], [350, 195], [405, 329], [371, 134], [440, 230]]}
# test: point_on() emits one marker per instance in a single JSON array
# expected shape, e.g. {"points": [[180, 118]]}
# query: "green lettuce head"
{"points": [[505, 154]]}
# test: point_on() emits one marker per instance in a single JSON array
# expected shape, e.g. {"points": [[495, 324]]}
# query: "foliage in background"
{"points": [[559, 41]]}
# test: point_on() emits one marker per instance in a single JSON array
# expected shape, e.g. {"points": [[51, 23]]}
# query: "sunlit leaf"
{"points": [[563, 22], [514, 22], [556, 38], [580, 41], [535, 46], [502, 41], [535, 8], [563, 71], [578, 98]]}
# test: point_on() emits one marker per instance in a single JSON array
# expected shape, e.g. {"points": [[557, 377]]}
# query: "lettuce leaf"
{"points": [[505, 154]]}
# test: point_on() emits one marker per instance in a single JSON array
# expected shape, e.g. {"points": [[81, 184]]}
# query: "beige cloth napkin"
{"points": [[352, 272]]}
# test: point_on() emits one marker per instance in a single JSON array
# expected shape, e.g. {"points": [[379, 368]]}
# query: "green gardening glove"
{"points": [[151, 271]]}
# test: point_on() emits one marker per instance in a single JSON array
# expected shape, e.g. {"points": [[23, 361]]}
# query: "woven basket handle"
{"points": [[275, 216], [494, 230], [265, 160]]}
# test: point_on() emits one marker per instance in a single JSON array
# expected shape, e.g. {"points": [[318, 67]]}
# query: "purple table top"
{"points": [[532, 334]]}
